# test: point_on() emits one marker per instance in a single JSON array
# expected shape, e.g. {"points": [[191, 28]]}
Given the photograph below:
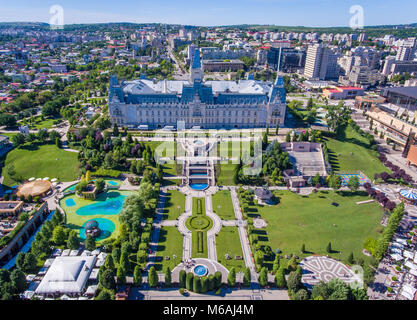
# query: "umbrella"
{"points": [[14, 187], [409, 194], [31, 179], [46, 178], [38, 179], [54, 180]]}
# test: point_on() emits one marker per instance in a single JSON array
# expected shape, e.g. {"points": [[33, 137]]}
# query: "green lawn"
{"points": [[351, 152], [223, 205], [199, 222], [39, 162], [227, 172], [228, 241], [174, 200], [315, 221], [170, 243]]}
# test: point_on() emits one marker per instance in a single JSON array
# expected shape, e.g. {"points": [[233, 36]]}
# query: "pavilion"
{"points": [[67, 275]]}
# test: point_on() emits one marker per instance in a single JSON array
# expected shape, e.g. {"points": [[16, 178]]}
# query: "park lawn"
{"points": [[174, 199], [194, 245], [313, 220], [223, 205], [47, 124], [170, 169], [41, 161], [228, 242], [75, 221], [351, 152], [170, 243], [227, 173]]}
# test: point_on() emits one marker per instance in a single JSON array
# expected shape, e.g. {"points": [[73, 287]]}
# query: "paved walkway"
{"points": [[243, 235], [153, 244], [215, 229]]}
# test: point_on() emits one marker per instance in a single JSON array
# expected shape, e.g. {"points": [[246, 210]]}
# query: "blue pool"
{"points": [[199, 186], [106, 227], [200, 270], [70, 202], [112, 205], [112, 183]]}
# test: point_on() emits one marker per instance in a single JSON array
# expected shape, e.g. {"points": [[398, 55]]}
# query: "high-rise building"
{"points": [[321, 63], [405, 53]]}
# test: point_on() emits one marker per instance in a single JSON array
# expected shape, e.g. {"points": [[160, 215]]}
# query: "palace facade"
{"points": [[208, 105]]}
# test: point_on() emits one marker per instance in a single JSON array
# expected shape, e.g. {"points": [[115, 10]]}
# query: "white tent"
{"points": [[67, 275], [54, 180], [408, 291], [31, 179], [401, 241], [396, 257], [411, 265], [413, 272], [408, 254], [46, 178], [396, 250]]}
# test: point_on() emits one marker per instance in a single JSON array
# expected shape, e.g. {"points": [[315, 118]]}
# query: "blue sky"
{"points": [[319, 13]]}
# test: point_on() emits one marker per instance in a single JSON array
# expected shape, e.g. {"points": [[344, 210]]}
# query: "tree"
{"points": [[310, 104], [137, 276], [218, 279], [294, 281], [196, 284], [263, 277], [116, 254], [182, 278], [124, 261], [280, 281], [90, 243], [329, 247], [73, 243], [189, 281], [18, 280], [109, 263], [353, 183], [116, 132], [204, 284], [20, 261], [18, 139], [265, 139], [152, 277], [288, 137], [58, 142], [247, 277], [107, 279], [301, 294], [231, 278], [121, 275], [335, 181], [30, 262], [104, 295], [168, 277]]}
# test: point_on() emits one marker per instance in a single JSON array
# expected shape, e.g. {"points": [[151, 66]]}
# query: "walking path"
{"points": [[244, 241]]}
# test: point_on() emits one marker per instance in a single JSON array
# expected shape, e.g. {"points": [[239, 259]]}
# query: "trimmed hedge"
{"points": [[200, 246]]}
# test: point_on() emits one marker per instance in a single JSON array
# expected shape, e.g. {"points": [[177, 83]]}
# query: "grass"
{"points": [[174, 199], [315, 221], [227, 172], [194, 251], [350, 152], [223, 205], [39, 162], [170, 243], [228, 241], [75, 221]]}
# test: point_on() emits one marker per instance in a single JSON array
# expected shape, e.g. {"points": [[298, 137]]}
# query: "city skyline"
{"points": [[216, 13]]}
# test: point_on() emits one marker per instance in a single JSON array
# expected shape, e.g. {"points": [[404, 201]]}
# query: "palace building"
{"points": [[205, 104]]}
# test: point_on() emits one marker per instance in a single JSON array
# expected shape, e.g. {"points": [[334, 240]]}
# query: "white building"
{"points": [[209, 104]]}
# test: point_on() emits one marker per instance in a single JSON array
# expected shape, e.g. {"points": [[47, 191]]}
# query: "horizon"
{"points": [[288, 13]]}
